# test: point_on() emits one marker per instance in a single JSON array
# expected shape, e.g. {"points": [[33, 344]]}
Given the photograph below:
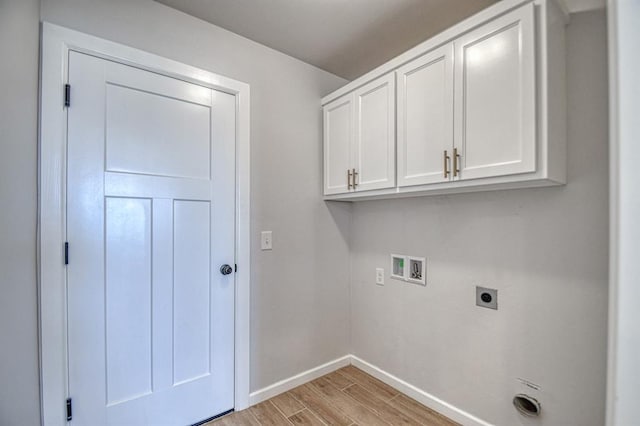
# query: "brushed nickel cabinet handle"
{"points": [[349, 179], [446, 164], [355, 182], [456, 162]]}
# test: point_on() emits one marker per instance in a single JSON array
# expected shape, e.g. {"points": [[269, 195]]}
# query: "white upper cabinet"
{"points": [[495, 98], [359, 139], [425, 118], [338, 141], [481, 106], [374, 154]]}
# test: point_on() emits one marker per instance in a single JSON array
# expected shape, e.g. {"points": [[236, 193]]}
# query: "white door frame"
{"points": [[624, 206], [57, 42]]}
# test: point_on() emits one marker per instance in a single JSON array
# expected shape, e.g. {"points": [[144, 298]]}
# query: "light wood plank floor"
{"points": [[345, 397]]}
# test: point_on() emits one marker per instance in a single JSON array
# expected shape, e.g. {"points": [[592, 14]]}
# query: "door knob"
{"points": [[226, 269]]}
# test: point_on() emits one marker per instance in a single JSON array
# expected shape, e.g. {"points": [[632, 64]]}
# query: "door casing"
{"points": [[57, 42]]}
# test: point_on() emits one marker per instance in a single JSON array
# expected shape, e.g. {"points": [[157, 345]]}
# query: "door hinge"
{"points": [[66, 253], [69, 410], [67, 95]]}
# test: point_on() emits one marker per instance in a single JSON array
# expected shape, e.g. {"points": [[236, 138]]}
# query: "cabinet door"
{"points": [[338, 141], [425, 118], [495, 97], [374, 148]]}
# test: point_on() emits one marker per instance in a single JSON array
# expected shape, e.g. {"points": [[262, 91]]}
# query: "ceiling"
{"points": [[583, 5], [345, 37]]}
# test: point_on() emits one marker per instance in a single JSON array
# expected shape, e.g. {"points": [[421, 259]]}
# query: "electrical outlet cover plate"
{"points": [[487, 297], [266, 240]]}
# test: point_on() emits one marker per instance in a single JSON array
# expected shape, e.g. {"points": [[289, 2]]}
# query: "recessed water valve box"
{"points": [[410, 269], [487, 297], [416, 270], [398, 263]]}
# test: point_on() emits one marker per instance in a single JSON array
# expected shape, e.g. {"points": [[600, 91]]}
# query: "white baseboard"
{"points": [[297, 380], [433, 402]]}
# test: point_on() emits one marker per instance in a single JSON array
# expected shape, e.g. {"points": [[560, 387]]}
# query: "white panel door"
{"points": [[495, 97], [425, 118], [338, 139], [374, 155], [150, 220]]}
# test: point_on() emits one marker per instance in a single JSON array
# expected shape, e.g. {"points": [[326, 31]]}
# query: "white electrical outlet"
{"points": [[266, 242], [379, 276]]}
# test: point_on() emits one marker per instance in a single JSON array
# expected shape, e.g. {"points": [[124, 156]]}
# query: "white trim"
{"points": [[624, 204], [243, 251], [446, 409], [614, 208], [56, 44], [299, 379]]}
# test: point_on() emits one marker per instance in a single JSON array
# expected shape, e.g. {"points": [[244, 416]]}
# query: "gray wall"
{"points": [[546, 250], [18, 141]]}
